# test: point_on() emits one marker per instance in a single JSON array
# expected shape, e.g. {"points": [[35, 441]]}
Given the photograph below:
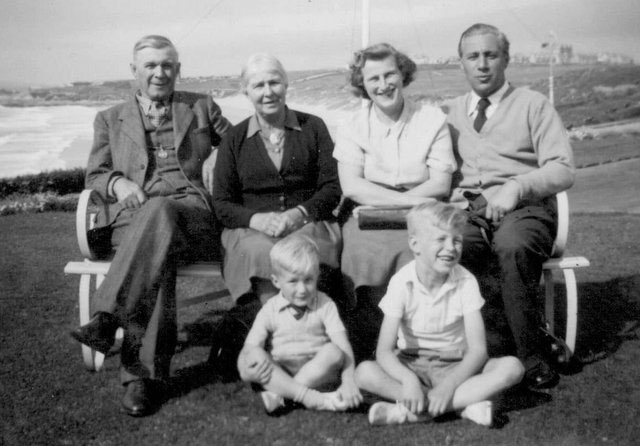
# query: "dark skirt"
{"points": [[371, 257], [247, 253]]}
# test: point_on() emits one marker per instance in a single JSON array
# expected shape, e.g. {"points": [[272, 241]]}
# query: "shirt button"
{"points": [[282, 208], [281, 197], [141, 166]]}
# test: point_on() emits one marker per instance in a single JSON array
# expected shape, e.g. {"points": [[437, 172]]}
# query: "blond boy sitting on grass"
{"points": [[431, 356], [298, 344]]}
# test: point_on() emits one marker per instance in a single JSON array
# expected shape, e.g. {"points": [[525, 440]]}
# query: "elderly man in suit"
{"points": [[147, 156]]}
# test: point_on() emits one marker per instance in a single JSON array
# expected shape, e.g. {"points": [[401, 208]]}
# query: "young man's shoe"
{"points": [[139, 398], [541, 376], [382, 413], [99, 333]]}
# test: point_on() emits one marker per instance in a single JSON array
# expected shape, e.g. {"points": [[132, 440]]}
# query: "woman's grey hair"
{"points": [[261, 60]]}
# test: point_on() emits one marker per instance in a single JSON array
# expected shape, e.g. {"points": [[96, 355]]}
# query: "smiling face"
{"points": [[484, 63], [156, 71], [299, 288], [267, 90], [382, 80], [437, 250]]}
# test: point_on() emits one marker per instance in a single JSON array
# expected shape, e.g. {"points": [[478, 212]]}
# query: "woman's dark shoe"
{"points": [[138, 399], [541, 376], [99, 333]]}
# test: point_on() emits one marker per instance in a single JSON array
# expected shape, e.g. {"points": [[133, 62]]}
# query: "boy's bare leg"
{"points": [[497, 375], [323, 368], [371, 377]]}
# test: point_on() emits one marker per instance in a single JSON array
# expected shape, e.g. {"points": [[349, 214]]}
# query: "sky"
{"points": [[53, 42]]}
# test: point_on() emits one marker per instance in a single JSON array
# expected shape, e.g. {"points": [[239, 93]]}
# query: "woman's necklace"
{"points": [[276, 138]]}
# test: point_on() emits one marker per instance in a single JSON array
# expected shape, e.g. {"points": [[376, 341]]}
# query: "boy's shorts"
{"points": [[293, 364], [430, 366]]}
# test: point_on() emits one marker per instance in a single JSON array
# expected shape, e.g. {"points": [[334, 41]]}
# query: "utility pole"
{"points": [[366, 19], [366, 34], [552, 47]]}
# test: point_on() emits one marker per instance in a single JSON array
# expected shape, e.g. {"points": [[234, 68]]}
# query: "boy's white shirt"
{"points": [[290, 337], [432, 322]]}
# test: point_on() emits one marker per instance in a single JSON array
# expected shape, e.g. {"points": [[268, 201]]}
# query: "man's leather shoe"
{"points": [[139, 399], [99, 333], [541, 376]]}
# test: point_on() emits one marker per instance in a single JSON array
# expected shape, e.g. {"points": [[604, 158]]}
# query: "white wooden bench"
{"points": [[566, 265], [89, 201], [91, 269]]}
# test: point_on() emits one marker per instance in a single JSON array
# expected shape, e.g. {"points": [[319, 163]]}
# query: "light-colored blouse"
{"points": [[400, 155]]}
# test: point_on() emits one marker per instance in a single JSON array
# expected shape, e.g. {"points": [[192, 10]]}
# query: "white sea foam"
{"points": [[33, 139], [36, 139]]}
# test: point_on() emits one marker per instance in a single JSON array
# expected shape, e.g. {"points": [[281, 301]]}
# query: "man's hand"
{"points": [[504, 201], [412, 396], [128, 193], [440, 398], [207, 171]]}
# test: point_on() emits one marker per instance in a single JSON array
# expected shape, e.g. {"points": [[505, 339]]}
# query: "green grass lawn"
{"points": [[48, 398]]}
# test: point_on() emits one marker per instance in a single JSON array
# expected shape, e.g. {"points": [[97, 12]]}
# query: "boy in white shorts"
{"points": [[431, 356], [298, 343]]}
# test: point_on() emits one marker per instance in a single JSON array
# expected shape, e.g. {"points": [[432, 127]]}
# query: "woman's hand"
{"points": [[263, 222], [277, 224]]}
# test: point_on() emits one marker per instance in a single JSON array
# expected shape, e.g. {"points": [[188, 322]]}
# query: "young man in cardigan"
{"points": [[513, 156]]}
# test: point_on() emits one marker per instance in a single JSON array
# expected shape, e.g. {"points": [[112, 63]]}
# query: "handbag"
{"points": [[381, 217]]}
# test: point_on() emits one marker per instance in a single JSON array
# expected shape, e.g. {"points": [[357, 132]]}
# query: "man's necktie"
{"points": [[298, 310], [157, 113], [481, 117]]}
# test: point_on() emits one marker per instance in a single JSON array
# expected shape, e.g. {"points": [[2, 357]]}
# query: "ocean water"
{"points": [[37, 139], [34, 139]]}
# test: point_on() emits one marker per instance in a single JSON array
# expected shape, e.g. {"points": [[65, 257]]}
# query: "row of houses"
{"points": [[561, 54]]}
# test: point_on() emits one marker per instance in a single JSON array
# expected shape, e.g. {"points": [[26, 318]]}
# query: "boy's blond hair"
{"points": [[295, 254], [439, 214]]}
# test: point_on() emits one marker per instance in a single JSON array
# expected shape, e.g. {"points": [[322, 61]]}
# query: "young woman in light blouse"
{"points": [[392, 151]]}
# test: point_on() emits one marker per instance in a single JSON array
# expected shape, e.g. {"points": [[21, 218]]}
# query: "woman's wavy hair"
{"points": [[378, 51]]}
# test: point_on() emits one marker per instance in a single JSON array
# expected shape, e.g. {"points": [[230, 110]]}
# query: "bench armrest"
{"points": [[562, 232], [89, 204]]}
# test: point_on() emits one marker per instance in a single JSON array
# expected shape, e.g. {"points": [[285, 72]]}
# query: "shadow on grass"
{"points": [[608, 314]]}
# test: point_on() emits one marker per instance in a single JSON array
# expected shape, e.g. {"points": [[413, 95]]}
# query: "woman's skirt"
{"points": [[371, 257], [246, 253]]}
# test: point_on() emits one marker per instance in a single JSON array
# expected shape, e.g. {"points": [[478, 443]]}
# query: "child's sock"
{"points": [[312, 399], [480, 413]]}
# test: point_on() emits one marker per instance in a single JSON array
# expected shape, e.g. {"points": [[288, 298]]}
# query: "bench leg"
{"points": [[93, 360], [549, 295], [572, 305], [572, 308]]}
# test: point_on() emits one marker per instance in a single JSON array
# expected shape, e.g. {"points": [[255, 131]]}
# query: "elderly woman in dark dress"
{"points": [[274, 176]]}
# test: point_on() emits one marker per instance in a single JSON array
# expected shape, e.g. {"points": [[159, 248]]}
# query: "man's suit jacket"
{"points": [[119, 146]]}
